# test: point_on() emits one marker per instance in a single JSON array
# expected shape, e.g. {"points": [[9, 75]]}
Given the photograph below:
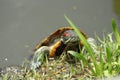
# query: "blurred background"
{"points": [[24, 23]]}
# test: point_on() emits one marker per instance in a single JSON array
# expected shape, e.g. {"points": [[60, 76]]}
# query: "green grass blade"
{"points": [[101, 65], [115, 30], [80, 56], [5, 77], [109, 58], [87, 46]]}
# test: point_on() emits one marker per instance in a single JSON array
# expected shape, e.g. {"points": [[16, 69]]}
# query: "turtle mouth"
{"points": [[73, 39], [70, 40]]}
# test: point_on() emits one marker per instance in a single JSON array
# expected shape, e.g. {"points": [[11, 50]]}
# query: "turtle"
{"points": [[63, 39]]}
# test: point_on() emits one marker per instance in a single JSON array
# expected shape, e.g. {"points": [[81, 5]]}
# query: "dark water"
{"points": [[23, 23]]}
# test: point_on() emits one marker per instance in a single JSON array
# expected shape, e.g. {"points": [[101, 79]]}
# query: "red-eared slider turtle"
{"points": [[61, 40], [58, 40]]}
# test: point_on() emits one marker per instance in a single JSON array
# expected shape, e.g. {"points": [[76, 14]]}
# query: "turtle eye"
{"points": [[66, 34]]}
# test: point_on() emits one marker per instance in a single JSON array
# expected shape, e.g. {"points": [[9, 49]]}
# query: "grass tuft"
{"points": [[108, 52]]}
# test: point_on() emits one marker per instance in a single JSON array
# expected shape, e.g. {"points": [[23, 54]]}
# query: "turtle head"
{"points": [[69, 37]]}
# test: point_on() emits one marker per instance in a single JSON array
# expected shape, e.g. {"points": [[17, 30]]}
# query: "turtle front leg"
{"points": [[38, 57]]}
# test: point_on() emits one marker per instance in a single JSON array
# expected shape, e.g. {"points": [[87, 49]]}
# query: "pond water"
{"points": [[24, 23]]}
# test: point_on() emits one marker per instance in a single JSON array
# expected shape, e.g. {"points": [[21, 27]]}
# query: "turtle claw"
{"points": [[38, 57], [35, 65]]}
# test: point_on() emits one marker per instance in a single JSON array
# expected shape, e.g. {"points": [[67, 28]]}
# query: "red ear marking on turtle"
{"points": [[66, 34]]}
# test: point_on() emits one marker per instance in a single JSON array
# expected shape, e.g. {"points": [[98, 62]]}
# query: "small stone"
{"points": [[6, 59], [26, 46], [74, 7]]}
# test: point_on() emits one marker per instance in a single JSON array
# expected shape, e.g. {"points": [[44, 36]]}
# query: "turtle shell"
{"points": [[54, 40]]}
